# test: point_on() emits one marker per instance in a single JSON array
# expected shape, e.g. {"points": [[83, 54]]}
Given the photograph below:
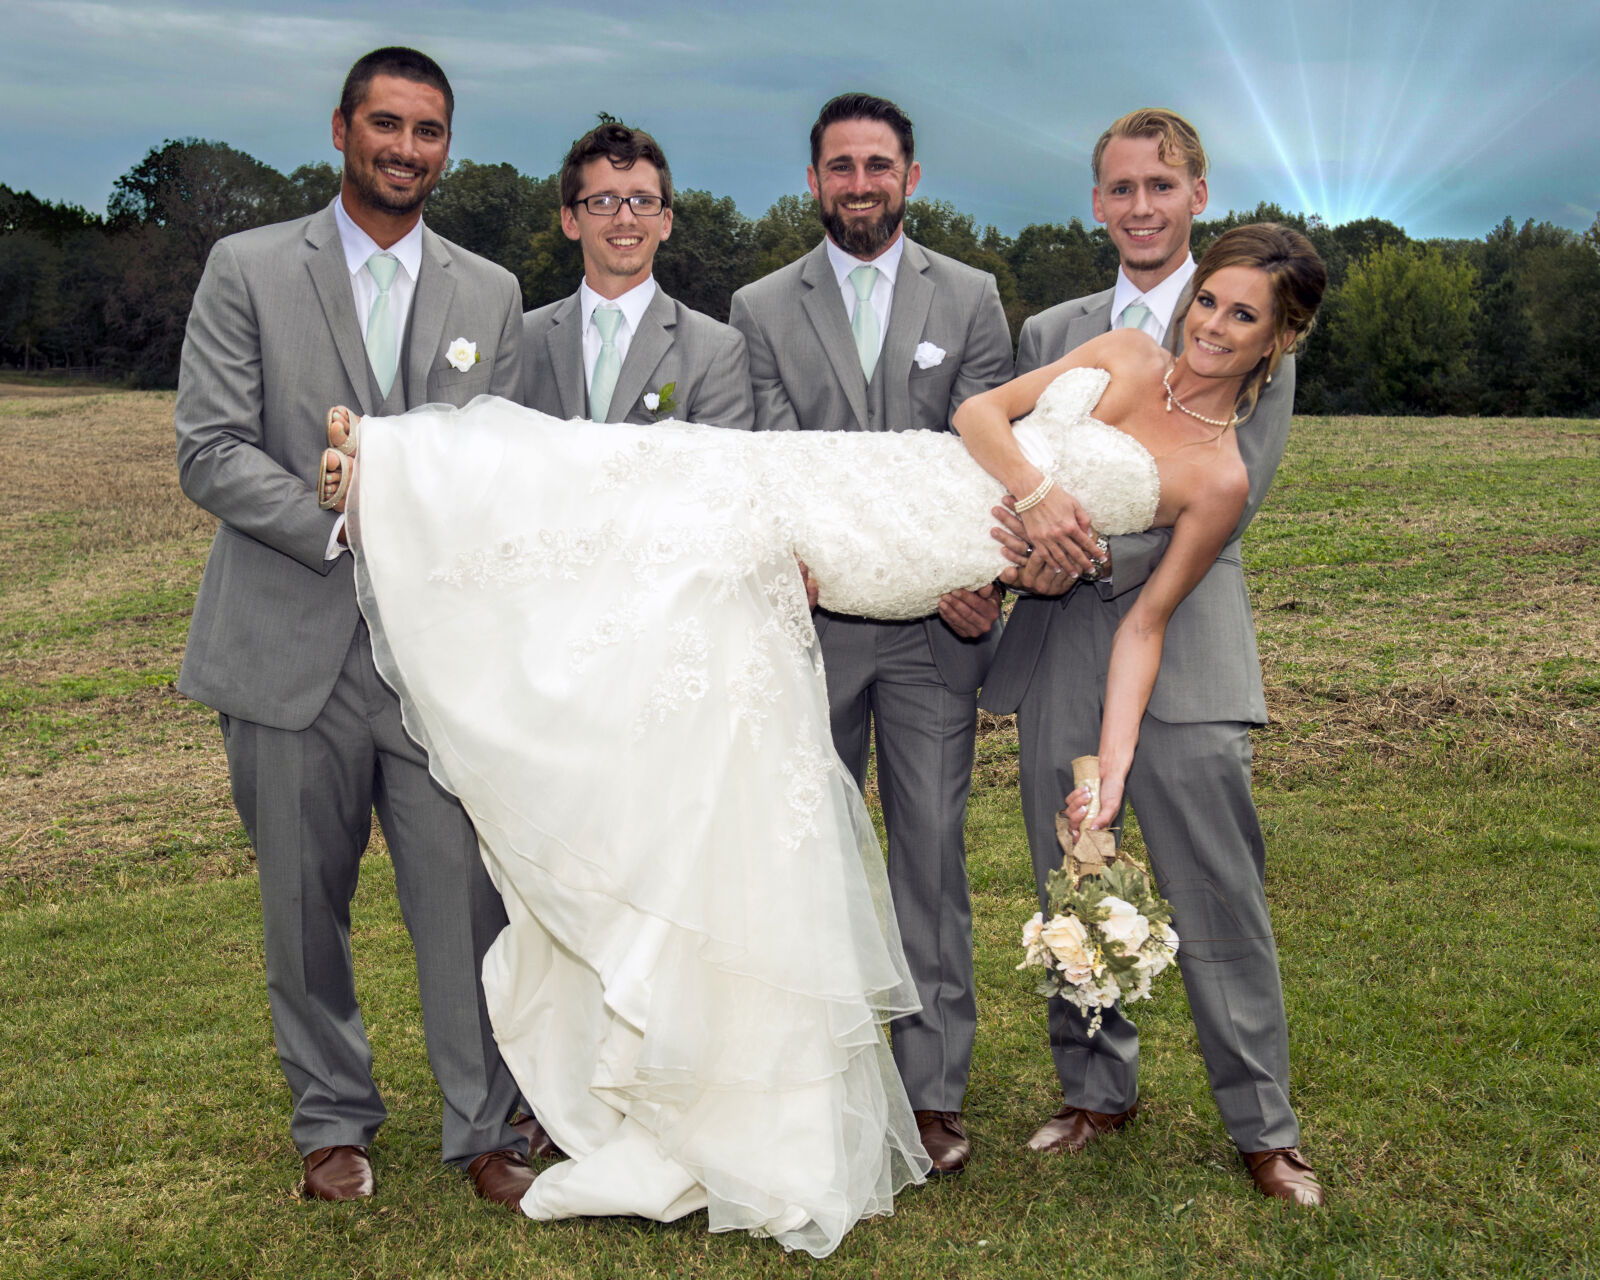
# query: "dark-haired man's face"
{"points": [[395, 147], [619, 251], [861, 182]]}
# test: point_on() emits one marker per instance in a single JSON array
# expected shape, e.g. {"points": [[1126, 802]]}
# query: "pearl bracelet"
{"points": [[1036, 497]]}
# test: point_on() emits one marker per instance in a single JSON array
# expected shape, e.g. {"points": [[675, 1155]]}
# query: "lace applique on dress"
{"points": [[807, 770], [619, 625], [753, 686], [552, 553], [1107, 470], [723, 553], [684, 680], [694, 454]]}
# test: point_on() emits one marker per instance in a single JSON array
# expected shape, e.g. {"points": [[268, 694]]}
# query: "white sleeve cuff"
{"points": [[335, 547]]}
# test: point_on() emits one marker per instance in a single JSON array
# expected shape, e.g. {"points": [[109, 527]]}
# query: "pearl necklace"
{"points": [[1219, 423]]}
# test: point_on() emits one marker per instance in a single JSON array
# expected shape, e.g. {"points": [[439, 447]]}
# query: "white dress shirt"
{"points": [[1162, 300], [358, 247], [882, 296], [632, 304]]}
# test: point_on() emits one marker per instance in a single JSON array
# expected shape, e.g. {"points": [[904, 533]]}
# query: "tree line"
{"points": [[1505, 325]]}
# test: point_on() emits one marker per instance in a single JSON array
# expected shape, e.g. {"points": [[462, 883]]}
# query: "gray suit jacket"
{"points": [[1210, 670], [704, 357], [273, 341], [807, 374]]}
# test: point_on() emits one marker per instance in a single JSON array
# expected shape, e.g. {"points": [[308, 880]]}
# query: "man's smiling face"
{"points": [[1148, 207], [395, 146], [861, 181], [618, 251]]}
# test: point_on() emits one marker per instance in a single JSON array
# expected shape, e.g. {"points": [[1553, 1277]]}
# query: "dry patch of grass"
{"points": [[14, 388], [88, 475], [1421, 586]]}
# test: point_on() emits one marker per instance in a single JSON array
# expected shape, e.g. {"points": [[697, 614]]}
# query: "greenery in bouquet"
{"points": [[1108, 935]]}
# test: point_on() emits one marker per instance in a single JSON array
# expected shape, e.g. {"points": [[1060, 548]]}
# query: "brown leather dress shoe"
{"points": [[1284, 1173], [501, 1176], [944, 1138], [337, 1173], [1073, 1128], [540, 1144]]}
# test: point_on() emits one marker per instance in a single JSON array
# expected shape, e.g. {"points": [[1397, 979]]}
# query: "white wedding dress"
{"points": [[600, 636]]}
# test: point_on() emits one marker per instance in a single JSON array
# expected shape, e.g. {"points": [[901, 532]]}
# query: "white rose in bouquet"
{"points": [[1033, 942], [1153, 959], [1068, 940], [1125, 925]]}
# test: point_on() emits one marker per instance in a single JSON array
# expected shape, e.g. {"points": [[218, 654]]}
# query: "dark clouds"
{"points": [[1442, 117]]}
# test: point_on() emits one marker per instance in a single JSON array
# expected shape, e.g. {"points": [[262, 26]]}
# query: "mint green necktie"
{"points": [[864, 323], [1134, 316], [609, 364], [383, 344]]}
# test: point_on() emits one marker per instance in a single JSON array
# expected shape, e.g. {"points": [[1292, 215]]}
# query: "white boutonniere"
{"points": [[660, 402], [462, 355], [927, 355]]}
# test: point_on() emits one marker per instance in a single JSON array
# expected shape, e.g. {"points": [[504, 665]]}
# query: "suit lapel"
{"points": [[1095, 320], [645, 350], [824, 307], [331, 279], [1173, 340], [908, 315], [436, 286], [563, 342]]}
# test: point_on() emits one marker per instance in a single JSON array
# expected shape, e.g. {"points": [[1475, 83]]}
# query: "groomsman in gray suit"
{"points": [[619, 349], [872, 332], [355, 305], [1190, 781]]}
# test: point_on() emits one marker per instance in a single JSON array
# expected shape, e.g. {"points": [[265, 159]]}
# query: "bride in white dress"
{"points": [[600, 636]]}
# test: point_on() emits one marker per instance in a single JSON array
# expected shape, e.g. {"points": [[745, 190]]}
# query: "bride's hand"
{"points": [[1077, 806], [1061, 532]]}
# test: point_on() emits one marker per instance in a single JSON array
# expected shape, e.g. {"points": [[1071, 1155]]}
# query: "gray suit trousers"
{"points": [[1190, 786], [306, 798], [883, 673]]}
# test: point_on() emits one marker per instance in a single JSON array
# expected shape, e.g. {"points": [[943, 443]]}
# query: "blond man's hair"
{"points": [[1179, 142]]}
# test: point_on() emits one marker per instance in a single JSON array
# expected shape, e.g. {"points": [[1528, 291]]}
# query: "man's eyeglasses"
{"points": [[606, 206]]}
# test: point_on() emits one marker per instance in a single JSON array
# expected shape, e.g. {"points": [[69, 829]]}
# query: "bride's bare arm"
{"points": [[1202, 528], [1058, 528]]}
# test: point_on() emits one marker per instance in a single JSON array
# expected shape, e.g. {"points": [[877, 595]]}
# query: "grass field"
{"points": [[1428, 598]]}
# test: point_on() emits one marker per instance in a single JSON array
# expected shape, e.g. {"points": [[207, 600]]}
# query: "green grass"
{"points": [[1427, 599]]}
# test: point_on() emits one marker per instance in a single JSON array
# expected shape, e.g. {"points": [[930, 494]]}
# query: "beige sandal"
{"points": [[342, 426], [339, 479], [341, 453]]}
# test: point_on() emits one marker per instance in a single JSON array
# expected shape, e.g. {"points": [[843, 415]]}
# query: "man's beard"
{"points": [[863, 237], [372, 193]]}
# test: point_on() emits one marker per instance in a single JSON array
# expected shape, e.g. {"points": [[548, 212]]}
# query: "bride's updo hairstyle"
{"points": [[1295, 271]]}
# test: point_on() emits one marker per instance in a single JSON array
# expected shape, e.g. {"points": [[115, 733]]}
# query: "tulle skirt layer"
{"points": [[603, 644]]}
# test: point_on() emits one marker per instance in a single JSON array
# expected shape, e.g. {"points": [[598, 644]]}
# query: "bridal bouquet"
{"points": [[1109, 934]]}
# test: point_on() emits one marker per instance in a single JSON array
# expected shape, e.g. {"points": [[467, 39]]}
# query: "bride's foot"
{"points": [[342, 424], [333, 481]]}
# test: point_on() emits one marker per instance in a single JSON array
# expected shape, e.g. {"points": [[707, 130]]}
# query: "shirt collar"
{"points": [[1161, 300], [887, 262], [633, 304], [359, 246]]}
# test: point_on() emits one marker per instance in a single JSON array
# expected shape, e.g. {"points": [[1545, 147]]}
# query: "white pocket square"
{"points": [[927, 355]]}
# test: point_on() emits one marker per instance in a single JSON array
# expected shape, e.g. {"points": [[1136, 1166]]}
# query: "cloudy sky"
{"points": [[1441, 115]]}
